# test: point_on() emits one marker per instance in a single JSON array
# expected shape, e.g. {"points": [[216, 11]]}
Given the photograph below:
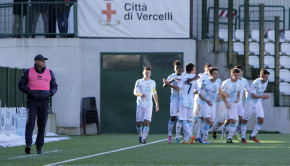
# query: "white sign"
{"points": [[134, 18]]}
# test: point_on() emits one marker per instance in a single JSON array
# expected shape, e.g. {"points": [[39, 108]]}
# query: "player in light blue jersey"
{"points": [[196, 110], [254, 104], [244, 87], [208, 96], [144, 89], [186, 93], [174, 100], [228, 106]]}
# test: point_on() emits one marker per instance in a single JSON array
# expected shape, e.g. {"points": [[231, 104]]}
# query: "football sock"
{"points": [[238, 129], [205, 131], [186, 128], [201, 124], [224, 130], [256, 129], [216, 126], [170, 127], [145, 131], [243, 130], [232, 129], [178, 128], [139, 130]]}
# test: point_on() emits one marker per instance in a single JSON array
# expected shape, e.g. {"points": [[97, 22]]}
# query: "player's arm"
{"points": [[219, 95], [253, 90], [155, 96], [192, 79], [137, 90], [169, 84], [204, 99], [238, 97], [227, 95], [228, 105], [263, 96]]}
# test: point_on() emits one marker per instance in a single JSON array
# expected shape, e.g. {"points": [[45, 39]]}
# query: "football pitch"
{"points": [[124, 149]]}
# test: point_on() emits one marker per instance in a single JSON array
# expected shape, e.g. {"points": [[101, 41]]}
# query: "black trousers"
{"points": [[39, 110]]}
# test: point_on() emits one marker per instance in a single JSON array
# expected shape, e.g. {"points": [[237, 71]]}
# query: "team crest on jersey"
{"points": [[202, 86]]}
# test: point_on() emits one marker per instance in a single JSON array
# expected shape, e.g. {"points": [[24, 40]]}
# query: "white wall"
{"points": [[76, 65]]}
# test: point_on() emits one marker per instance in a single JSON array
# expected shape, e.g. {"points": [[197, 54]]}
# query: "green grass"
{"points": [[272, 150]]}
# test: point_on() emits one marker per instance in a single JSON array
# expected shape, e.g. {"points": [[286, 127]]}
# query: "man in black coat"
{"points": [[39, 84]]}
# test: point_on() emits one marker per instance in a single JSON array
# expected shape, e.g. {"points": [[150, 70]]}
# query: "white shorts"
{"points": [[226, 113], [174, 108], [185, 113], [143, 113], [208, 111], [241, 110], [196, 109], [250, 109]]}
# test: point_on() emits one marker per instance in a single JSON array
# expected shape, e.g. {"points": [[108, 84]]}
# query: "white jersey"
{"points": [[209, 90], [257, 88], [202, 77], [174, 93], [145, 87], [186, 92], [231, 88], [244, 86]]}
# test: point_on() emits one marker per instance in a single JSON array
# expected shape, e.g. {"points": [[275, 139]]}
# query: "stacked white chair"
{"points": [[284, 87], [239, 35], [269, 61], [272, 75], [238, 47], [284, 75], [285, 48], [254, 61], [254, 48], [223, 34], [285, 62]]}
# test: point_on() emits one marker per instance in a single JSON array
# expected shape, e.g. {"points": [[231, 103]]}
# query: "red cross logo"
{"points": [[109, 12]]}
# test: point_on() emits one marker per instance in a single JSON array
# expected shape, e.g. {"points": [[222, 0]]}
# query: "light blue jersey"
{"points": [[174, 93], [145, 87], [186, 92], [209, 90], [244, 86], [231, 88], [258, 88]]}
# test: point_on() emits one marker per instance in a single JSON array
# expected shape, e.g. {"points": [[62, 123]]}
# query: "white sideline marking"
{"points": [[20, 157], [99, 154]]}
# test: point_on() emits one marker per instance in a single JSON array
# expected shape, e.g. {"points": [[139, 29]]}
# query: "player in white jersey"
{"points": [[196, 109], [144, 89], [208, 96], [174, 100], [254, 104], [186, 93], [244, 87], [228, 106]]}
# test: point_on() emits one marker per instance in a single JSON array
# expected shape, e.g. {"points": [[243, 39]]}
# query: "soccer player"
{"points": [[186, 93], [208, 96], [244, 86], [254, 104], [196, 109], [144, 89], [174, 100], [228, 106]]}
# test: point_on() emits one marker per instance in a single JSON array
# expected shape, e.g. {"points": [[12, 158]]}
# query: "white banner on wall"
{"points": [[134, 18]]}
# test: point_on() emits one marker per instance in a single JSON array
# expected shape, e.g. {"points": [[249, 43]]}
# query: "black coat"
{"points": [[17, 7]]}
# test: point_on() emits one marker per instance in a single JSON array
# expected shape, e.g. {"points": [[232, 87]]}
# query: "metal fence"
{"points": [[38, 19]]}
